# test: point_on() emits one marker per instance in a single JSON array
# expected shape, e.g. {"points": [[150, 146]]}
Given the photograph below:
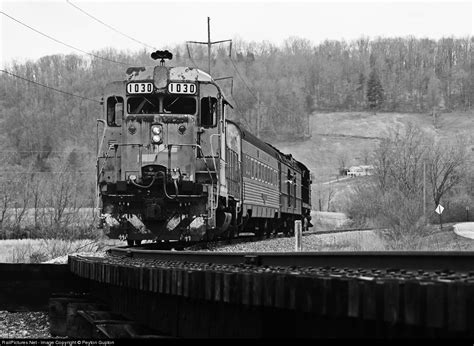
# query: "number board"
{"points": [[182, 88], [139, 88]]}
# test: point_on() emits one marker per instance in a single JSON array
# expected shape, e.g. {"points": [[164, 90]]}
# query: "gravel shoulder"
{"points": [[24, 325], [347, 241]]}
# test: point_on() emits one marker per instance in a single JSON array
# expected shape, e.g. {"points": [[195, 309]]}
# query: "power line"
{"points": [[107, 25], [39, 172], [48, 87], [46, 151], [121, 33], [190, 57], [63, 43], [242, 79]]}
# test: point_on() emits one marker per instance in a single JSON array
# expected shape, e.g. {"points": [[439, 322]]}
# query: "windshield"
{"points": [[150, 104]]}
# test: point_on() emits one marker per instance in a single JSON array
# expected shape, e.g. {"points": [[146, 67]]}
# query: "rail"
{"points": [[409, 260]]}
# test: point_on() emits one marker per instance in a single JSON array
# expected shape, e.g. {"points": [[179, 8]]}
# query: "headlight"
{"points": [[156, 130], [156, 138], [132, 177]]}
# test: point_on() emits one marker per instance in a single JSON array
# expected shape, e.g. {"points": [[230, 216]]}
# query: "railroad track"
{"points": [[394, 260], [327, 294], [392, 294], [211, 245]]}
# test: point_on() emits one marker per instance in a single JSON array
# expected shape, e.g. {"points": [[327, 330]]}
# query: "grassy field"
{"points": [[439, 240], [356, 134], [351, 137], [41, 250]]}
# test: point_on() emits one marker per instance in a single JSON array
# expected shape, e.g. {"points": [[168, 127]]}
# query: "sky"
{"points": [[161, 23]]}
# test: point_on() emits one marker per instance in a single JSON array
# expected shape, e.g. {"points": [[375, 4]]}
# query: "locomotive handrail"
{"points": [[215, 166], [103, 135], [106, 156], [97, 191]]}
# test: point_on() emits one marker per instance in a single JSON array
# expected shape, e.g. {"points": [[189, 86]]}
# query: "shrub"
{"points": [[400, 215], [38, 257]]}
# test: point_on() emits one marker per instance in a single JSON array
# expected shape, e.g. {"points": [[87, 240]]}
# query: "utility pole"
{"points": [[209, 44]]}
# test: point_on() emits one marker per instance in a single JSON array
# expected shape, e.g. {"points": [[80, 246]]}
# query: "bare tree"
{"points": [[446, 165], [435, 97], [366, 154], [6, 200], [37, 199], [399, 160], [331, 192], [21, 203], [342, 159], [382, 163]]}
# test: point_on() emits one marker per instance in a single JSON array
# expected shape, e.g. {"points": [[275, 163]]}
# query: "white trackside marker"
{"points": [[439, 209]]}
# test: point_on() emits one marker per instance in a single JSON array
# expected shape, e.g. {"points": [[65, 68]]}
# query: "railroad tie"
{"points": [[368, 298], [354, 292], [268, 289], [218, 286], [436, 305], [246, 279], [209, 278], [303, 293], [257, 289], [179, 281], [391, 301], [456, 306], [279, 293], [229, 283]]}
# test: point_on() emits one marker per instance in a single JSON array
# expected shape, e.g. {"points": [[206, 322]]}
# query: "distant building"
{"points": [[357, 171]]}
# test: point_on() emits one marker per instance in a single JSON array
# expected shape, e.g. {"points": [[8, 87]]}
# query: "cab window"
{"points": [[179, 105], [114, 111], [209, 105], [208, 111]]}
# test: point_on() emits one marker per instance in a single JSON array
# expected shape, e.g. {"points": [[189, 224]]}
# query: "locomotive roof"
{"points": [[287, 158], [249, 137], [181, 73], [177, 73], [302, 166]]}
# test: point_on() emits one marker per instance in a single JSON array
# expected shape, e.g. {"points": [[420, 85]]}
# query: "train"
{"points": [[171, 166]]}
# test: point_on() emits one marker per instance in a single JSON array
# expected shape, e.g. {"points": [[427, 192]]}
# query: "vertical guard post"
{"points": [[298, 235]]}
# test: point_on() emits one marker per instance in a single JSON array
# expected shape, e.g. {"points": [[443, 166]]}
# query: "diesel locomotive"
{"points": [[171, 166]]}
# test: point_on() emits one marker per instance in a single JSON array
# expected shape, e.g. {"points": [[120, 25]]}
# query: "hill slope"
{"points": [[349, 138]]}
